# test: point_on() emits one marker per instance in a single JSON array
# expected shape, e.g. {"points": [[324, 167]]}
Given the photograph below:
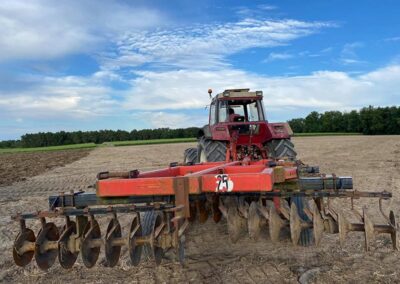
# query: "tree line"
{"points": [[369, 120], [44, 139]]}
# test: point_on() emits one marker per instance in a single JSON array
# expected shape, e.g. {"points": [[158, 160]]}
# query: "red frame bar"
{"points": [[206, 177]]}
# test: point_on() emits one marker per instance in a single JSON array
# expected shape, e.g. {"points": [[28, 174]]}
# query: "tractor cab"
{"points": [[237, 106], [237, 112]]}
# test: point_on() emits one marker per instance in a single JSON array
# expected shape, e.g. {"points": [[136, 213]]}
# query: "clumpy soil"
{"points": [[16, 167], [373, 161]]}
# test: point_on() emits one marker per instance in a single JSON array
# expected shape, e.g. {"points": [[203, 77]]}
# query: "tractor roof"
{"points": [[239, 93]]}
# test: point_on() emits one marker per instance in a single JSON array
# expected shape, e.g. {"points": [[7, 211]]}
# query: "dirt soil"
{"points": [[19, 166], [374, 163]]}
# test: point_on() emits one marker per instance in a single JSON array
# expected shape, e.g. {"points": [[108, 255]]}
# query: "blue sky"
{"points": [[88, 65]]}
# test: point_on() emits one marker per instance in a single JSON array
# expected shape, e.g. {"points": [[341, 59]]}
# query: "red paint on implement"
{"points": [[205, 177]]}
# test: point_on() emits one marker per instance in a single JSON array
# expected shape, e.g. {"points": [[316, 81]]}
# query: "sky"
{"points": [[90, 65]]}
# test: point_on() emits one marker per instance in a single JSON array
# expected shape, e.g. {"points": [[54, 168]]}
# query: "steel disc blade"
{"points": [[66, 257], [235, 223], [180, 250], [46, 258], [295, 224], [135, 251], [112, 252], [318, 223], [24, 259], [343, 225], [217, 214], [275, 224], [368, 230], [253, 221], [193, 211], [284, 208], [90, 254], [395, 231], [331, 226], [158, 252], [202, 210]]}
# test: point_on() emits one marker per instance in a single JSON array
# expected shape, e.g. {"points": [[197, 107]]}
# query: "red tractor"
{"points": [[238, 130]]}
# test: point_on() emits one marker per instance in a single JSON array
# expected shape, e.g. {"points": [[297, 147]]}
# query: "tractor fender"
{"points": [[204, 131], [280, 130]]}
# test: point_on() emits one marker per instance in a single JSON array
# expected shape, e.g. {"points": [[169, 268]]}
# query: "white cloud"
{"points": [[40, 29], [171, 98], [169, 120], [61, 98], [396, 38], [278, 56], [206, 46], [266, 7], [349, 55], [180, 89], [259, 10], [324, 90]]}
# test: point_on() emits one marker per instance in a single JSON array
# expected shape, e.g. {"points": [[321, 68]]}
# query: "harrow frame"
{"points": [[241, 191]]}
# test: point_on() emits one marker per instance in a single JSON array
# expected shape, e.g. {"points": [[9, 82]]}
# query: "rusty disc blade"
{"points": [[180, 250], [217, 214], [112, 252], [158, 251], [66, 257], [158, 254], [27, 235], [235, 224], [202, 210], [48, 234], [193, 211], [331, 226], [135, 251], [253, 221], [368, 229], [318, 223], [90, 254], [284, 208], [275, 224], [295, 224], [343, 227], [395, 231]]}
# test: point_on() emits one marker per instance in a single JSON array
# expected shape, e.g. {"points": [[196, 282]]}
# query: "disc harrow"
{"points": [[280, 196], [318, 221], [83, 236]]}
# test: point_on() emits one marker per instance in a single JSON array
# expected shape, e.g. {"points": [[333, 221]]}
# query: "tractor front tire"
{"points": [[211, 150], [282, 148], [190, 156]]}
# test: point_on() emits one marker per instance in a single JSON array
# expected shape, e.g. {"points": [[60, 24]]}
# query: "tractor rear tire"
{"points": [[211, 150], [190, 156], [278, 149]]}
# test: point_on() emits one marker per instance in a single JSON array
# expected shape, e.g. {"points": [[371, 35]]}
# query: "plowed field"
{"points": [[373, 161]]}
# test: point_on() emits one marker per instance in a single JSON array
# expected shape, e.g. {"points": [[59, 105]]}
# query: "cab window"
{"points": [[238, 109], [252, 112], [212, 114], [223, 111]]}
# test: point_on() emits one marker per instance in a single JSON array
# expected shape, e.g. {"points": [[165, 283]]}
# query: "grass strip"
{"points": [[50, 148], [151, 142]]}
